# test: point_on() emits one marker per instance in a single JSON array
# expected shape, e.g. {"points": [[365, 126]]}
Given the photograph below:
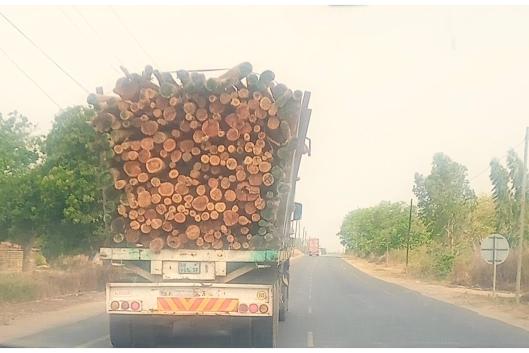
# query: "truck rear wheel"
{"points": [[143, 333], [283, 306], [263, 332], [120, 331]]}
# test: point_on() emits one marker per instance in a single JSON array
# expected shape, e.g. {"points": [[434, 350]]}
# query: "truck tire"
{"points": [[262, 332], [241, 335], [283, 307], [120, 331], [282, 314], [143, 332]]}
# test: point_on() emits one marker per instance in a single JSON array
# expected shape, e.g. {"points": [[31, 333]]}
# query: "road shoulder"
{"points": [[501, 308], [23, 319]]}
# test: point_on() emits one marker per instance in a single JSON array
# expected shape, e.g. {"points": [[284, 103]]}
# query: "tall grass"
{"points": [[68, 275], [466, 269]]}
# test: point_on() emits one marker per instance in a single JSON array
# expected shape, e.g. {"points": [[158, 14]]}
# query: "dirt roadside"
{"points": [[502, 308], [22, 319]]}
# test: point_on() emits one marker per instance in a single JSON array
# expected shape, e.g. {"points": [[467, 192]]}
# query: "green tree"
{"points": [[74, 182], [22, 216], [482, 220], [373, 230], [445, 199], [18, 148], [506, 193]]}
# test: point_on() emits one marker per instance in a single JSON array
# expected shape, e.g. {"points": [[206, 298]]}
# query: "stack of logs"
{"points": [[199, 163]]}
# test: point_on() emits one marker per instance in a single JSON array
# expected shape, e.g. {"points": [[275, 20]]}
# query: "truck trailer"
{"points": [[183, 289], [314, 247]]}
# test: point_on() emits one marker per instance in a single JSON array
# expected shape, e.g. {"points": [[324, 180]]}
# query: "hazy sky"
{"points": [[390, 85]]}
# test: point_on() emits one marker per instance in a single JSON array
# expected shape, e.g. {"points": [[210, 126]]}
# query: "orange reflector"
{"points": [[114, 305], [197, 305], [253, 308], [263, 308]]}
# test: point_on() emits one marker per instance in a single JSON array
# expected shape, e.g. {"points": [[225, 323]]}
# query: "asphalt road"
{"points": [[335, 305]]}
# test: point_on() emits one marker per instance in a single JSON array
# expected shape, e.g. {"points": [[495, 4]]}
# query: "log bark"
{"points": [[156, 245], [132, 236], [174, 242]]}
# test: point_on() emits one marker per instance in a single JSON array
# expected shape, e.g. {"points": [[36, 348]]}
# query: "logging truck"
{"points": [[314, 247], [205, 171]]}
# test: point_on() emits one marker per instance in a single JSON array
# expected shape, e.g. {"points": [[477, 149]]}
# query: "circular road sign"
{"points": [[494, 249]]}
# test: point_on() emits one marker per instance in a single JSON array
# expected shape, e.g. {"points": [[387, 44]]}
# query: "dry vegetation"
{"points": [[68, 275]]}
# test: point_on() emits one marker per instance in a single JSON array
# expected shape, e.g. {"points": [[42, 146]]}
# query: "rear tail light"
{"points": [[263, 308], [114, 305], [243, 308], [253, 308], [135, 306], [124, 305]]}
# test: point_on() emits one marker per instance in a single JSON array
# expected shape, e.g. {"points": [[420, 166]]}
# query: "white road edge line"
{"points": [[310, 339], [89, 343]]}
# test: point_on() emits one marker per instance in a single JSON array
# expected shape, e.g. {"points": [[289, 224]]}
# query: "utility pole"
{"points": [[522, 219], [304, 239], [408, 238]]}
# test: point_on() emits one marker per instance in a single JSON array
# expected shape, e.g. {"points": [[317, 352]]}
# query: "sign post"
{"points": [[494, 250]]}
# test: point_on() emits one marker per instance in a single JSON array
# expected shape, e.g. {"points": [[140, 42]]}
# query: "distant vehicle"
{"points": [[323, 251], [314, 247]]}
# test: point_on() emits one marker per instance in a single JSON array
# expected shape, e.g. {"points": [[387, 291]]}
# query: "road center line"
{"points": [[97, 340], [310, 339]]}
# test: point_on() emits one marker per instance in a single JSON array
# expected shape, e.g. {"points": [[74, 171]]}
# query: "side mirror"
{"points": [[298, 210]]}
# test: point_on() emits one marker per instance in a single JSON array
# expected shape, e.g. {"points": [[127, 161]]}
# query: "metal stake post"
{"points": [[494, 268]]}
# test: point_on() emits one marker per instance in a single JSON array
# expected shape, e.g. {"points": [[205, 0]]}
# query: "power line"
{"points": [[30, 78], [116, 58], [44, 53], [132, 35], [488, 167], [76, 25]]}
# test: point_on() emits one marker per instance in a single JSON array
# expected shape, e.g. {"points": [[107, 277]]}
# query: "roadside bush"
{"points": [[463, 264], [430, 261], [69, 275], [17, 288], [443, 264], [420, 262], [397, 256], [480, 272], [40, 260]]}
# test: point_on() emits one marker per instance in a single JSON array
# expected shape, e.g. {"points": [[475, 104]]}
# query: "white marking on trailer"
{"points": [[94, 341], [310, 339]]}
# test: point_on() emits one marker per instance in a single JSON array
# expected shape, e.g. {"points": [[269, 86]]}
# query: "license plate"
{"points": [[189, 267]]}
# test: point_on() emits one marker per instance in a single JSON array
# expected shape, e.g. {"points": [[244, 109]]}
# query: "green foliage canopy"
{"points": [[445, 199]]}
